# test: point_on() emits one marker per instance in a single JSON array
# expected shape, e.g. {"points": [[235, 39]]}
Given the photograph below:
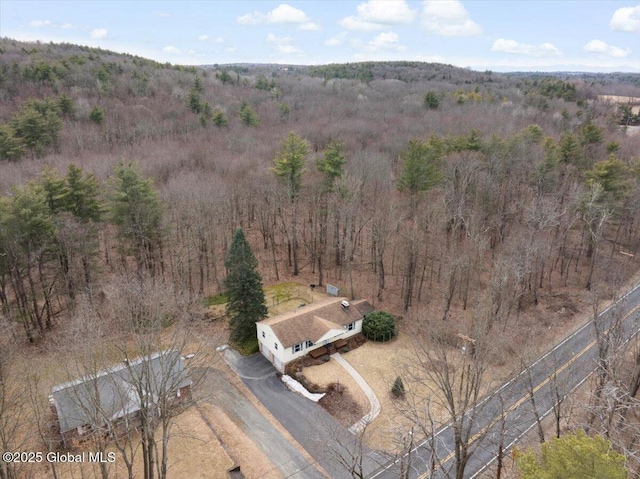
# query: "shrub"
{"points": [[247, 346], [379, 326], [398, 388]]}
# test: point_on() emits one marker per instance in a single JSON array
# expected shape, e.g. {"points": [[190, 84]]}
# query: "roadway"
{"points": [[507, 414]]}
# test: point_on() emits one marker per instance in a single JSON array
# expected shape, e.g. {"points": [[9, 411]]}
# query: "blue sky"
{"points": [[586, 35]]}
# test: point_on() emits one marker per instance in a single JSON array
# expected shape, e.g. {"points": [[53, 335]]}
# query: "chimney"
{"points": [[345, 304]]}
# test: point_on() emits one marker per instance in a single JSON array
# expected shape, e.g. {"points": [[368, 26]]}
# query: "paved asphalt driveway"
{"points": [[249, 419], [314, 429]]}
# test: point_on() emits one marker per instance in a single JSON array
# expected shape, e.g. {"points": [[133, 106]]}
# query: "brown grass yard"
{"points": [[194, 452], [332, 372]]}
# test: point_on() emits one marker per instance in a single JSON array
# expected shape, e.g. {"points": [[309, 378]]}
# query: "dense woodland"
{"points": [[430, 190]]}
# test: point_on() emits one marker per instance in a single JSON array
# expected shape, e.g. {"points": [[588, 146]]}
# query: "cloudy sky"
{"points": [[585, 35]]}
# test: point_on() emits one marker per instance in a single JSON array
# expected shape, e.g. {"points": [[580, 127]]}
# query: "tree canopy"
{"points": [[574, 456]]}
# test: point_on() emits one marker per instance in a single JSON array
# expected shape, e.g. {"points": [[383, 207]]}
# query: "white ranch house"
{"points": [[286, 337]]}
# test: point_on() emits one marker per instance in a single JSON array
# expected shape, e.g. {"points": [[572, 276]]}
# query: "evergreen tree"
{"points": [[82, 192], [246, 303], [65, 105], [11, 146], [37, 124], [224, 77], [97, 115], [431, 100], [136, 210], [219, 118], [248, 115], [590, 134], [397, 389], [420, 167], [194, 101], [569, 149], [289, 165], [197, 85], [332, 165]]}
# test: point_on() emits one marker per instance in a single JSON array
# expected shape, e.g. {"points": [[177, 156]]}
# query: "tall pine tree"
{"points": [[246, 303]]}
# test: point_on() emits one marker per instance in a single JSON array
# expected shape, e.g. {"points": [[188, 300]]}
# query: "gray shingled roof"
{"points": [[111, 393]]}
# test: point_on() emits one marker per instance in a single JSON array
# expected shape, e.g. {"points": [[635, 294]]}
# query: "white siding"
{"points": [[270, 345], [282, 356]]}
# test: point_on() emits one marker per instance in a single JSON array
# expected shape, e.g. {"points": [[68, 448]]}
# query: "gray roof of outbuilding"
{"points": [[113, 393]]}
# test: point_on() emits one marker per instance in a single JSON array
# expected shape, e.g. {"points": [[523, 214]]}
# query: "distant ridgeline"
{"points": [[402, 70]]}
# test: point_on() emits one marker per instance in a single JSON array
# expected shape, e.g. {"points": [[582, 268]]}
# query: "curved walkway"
{"points": [[373, 400]]}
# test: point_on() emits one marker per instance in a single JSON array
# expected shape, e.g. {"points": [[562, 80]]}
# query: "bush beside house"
{"points": [[379, 326]]}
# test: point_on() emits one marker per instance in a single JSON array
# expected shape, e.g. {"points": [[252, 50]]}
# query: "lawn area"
{"points": [[194, 452], [284, 297], [280, 298], [379, 364]]}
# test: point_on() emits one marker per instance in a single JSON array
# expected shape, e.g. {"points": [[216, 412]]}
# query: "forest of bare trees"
{"points": [[511, 191]]}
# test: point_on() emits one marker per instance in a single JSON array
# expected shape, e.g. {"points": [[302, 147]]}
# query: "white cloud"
{"points": [[231, 49], [288, 49], [626, 19], [310, 27], [49, 23], [283, 44], [286, 14], [384, 43], [387, 41], [99, 33], [255, 18], [283, 14], [378, 14], [271, 38], [511, 46], [207, 38], [598, 46], [164, 15], [172, 50], [40, 23], [337, 40], [355, 23], [448, 18]]}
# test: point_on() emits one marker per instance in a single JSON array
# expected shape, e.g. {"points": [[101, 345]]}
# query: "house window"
{"points": [[263, 335], [297, 348], [351, 326], [275, 345], [308, 344]]}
